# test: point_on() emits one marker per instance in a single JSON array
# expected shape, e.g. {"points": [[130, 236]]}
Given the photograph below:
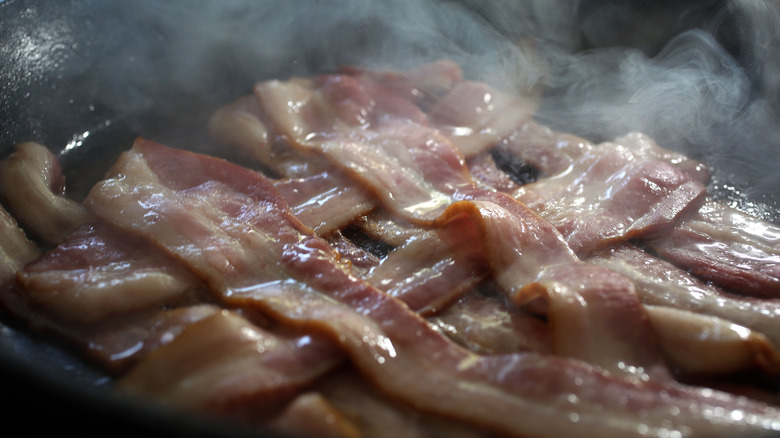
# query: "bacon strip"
{"points": [[15, 248], [295, 277], [476, 117], [33, 187], [613, 193], [224, 364], [485, 323], [728, 247], [433, 268], [705, 345], [97, 272], [660, 283], [311, 414], [325, 202]]}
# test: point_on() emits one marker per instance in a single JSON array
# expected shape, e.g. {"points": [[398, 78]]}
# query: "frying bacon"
{"points": [[728, 247], [660, 283], [433, 268], [613, 193], [98, 272], [705, 345], [33, 187], [15, 248], [300, 282], [487, 303], [223, 364]]}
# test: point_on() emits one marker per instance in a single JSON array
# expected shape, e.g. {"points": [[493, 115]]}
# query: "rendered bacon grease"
{"points": [[408, 254]]}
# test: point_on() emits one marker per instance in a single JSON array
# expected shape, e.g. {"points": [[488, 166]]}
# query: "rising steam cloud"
{"points": [[699, 76]]}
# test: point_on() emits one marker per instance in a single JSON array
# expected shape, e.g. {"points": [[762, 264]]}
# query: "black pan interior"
{"points": [[85, 77]]}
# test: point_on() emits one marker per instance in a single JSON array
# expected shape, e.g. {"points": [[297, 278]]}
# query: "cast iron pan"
{"points": [[85, 77]]}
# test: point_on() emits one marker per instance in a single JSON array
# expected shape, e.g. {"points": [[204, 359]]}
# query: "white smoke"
{"points": [[701, 76]]}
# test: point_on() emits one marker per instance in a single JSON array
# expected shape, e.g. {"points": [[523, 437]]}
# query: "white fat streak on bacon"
{"points": [[96, 272], [532, 263], [521, 395], [311, 414], [325, 202], [224, 364], [613, 193], [476, 117], [699, 344], [33, 187], [728, 247], [380, 417], [15, 248], [660, 283], [433, 268], [485, 323], [408, 165], [551, 152], [121, 342]]}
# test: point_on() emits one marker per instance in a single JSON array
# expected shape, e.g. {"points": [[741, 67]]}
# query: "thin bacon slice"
{"points": [[97, 272], [33, 188], [423, 84], [658, 282], [121, 342], [476, 117], [485, 323], [600, 306], [380, 417], [325, 202], [405, 164], [15, 248], [611, 194], [705, 345], [311, 414], [255, 254], [226, 365], [433, 268], [551, 152], [728, 247]]}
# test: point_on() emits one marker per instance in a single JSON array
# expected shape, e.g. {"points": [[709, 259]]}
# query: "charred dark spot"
{"points": [[365, 242], [517, 169]]}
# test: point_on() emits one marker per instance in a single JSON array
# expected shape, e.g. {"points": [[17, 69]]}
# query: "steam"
{"points": [[699, 76]]}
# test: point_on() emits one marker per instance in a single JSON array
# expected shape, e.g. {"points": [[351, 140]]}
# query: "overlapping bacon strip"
{"points": [[15, 248], [400, 152], [236, 232], [33, 187]]}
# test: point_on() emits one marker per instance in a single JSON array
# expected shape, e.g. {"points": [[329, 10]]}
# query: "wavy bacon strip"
{"points": [[97, 272], [658, 282], [32, 186], [236, 232], [728, 247], [223, 364], [434, 268], [613, 193], [15, 248], [418, 175], [325, 202], [484, 322]]}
